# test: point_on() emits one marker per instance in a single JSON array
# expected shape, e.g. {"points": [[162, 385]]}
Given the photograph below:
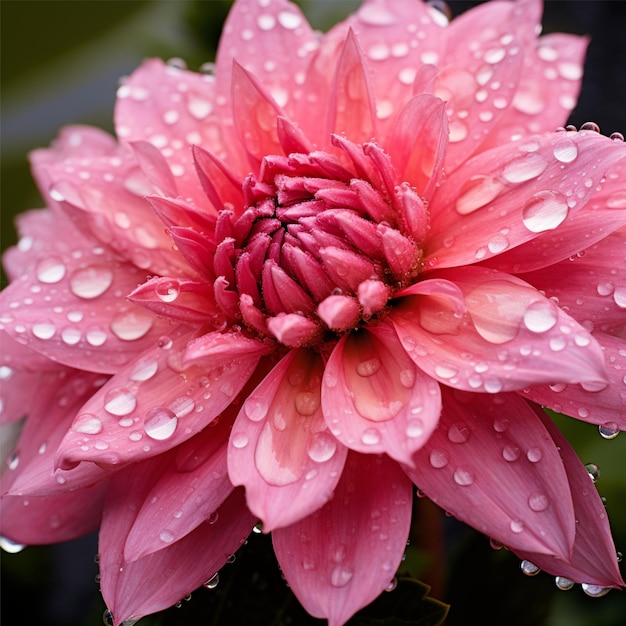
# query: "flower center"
{"points": [[322, 244]]}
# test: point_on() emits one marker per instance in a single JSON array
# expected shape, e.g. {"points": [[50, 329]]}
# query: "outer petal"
{"points": [[594, 558], [151, 405], [503, 198], [602, 405], [375, 399], [343, 556], [503, 335], [137, 588], [280, 447], [191, 482], [492, 464], [90, 326]]}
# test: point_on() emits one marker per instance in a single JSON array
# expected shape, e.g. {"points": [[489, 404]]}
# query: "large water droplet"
{"points": [[10, 546], [239, 440], [91, 282], [610, 430], [50, 270], [565, 150], [119, 401], [544, 211], [563, 583], [534, 455], [540, 316], [524, 168], [595, 591], [516, 526], [255, 408], [144, 370], [530, 569], [414, 428], [131, 325], [88, 424], [321, 447], [160, 423]]}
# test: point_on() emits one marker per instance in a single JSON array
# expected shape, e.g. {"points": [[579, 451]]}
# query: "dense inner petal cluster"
{"points": [[322, 245]]}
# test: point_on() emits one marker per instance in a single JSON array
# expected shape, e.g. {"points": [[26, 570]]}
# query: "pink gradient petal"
{"points": [[152, 405], [509, 336], [186, 489], [89, 327], [604, 405], [351, 110], [503, 198], [132, 589], [375, 399], [30, 468], [493, 465], [280, 448], [594, 558], [341, 557]]}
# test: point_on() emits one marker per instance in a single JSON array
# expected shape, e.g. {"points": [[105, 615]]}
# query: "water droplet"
{"points": [[458, 433], [166, 536], [592, 126], [439, 458], [538, 502], [341, 576], [510, 453], [501, 424], [534, 455], [458, 130], [160, 423], [593, 470], [463, 477], [50, 270], [90, 282], [167, 291], [516, 526], [212, 582], [131, 325], [119, 401], [44, 330], [476, 193], [88, 424], [392, 584], [239, 440], [266, 22], [610, 430], [255, 409], [165, 343], [595, 591], [107, 618], [530, 569], [10, 546], [368, 367], [144, 370], [565, 150], [445, 371], [564, 584], [370, 436], [540, 316], [414, 428], [307, 402], [546, 210], [524, 168], [321, 447], [199, 108]]}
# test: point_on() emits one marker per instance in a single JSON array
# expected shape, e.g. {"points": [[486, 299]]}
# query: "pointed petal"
{"points": [[155, 168], [351, 109], [343, 556], [151, 405], [132, 589], [604, 405], [280, 448], [503, 198], [187, 491], [507, 337], [594, 558], [493, 465], [90, 327], [375, 399]]}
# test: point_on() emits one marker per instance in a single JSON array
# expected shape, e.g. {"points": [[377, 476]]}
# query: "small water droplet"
{"points": [[370, 436], [538, 502], [516, 526], [90, 282], [510, 453], [131, 325], [212, 582], [88, 424], [321, 447], [10, 546], [341, 576], [439, 458], [255, 408], [166, 536], [239, 440], [524, 168], [463, 477], [564, 584], [593, 470], [590, 126], [458, 433], [540, 316], [107, 618], [530, 569], [546, 210], [167, 291], [119, 401], [368, 367], [534, 455], [160, 423], [414, 428], [595, 591], [165, 343], [50, 270], [565, 150], [144, 370], [610, 430], [501, 424], [445, 371], [307, 402]]}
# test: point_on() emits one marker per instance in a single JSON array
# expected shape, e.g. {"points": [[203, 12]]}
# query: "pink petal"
{"points": [[90, 327], [417, 142], [351, 110], [132, 589], [343, 556], [280, 448], [155, 168], [508, 337], [492, 464], [604, 405], [594, 559], [220, 184], [375, 399], [152, 405], [186, 490], [503, 198]]}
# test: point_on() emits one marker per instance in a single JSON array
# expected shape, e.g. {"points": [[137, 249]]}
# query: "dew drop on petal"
{"points": [[510, 453], [463, 477], [321, 447], [540, 316], [414, 428], [306, 402], [370, 436], [256, 409], [90, 282], [524, 168], [167, 291], [144, 370], [516, 526], [160, 423], [546, 210], [341, 576], [595, 591], [538, 502], [534, 455], [594, 471], [563, 583], [166, 536], [88, 424], [119, 401], [368, 367], [239, 440], [131, 325], [476, 193], [213, 582], [439, 458], [530, 569], [565, 151], [50, 270], [458, 433], [10, 546]]}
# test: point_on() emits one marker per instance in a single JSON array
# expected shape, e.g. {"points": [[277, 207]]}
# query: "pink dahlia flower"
{"points": [[299, 285]]}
